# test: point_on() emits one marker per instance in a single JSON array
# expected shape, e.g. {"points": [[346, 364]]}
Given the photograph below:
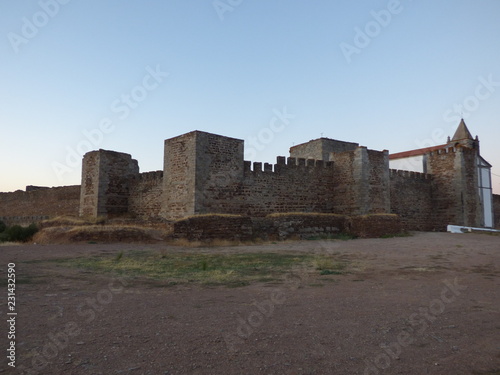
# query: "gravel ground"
{"points": [[426, 304]]}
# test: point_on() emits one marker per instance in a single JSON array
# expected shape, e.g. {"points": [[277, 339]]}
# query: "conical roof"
{"points": [[462, 132]]}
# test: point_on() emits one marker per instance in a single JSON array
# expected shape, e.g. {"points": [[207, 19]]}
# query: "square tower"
{"points": [[201, 170]]}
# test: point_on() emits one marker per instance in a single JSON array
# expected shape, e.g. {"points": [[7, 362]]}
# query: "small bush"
{"points": [[2, 226], [17, 233]]}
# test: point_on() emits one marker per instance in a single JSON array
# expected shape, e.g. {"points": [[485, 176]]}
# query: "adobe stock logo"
{"points": [[265, 136], [31, 26], [484, 90], [363, 37], [224, 6], [121, 109], [418, 324], [62, 336]]}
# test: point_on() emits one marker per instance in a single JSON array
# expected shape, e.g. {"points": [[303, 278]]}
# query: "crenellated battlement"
{"points": [[150, 176], [443, 151], [284, 164], [410, 174], [453, 150]]}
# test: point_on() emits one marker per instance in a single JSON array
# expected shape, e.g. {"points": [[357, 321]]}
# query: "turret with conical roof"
{"points": [[463, 137], [462, 132]]}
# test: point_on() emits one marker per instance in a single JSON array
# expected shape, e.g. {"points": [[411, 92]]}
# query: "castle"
{"points": [[206, 173]]}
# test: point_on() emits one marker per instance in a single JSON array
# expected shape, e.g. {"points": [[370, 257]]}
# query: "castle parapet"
{"points": [[284, 164], [410, 174], [149, 176]]}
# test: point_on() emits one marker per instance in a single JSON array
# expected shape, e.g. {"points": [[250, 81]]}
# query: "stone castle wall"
{"points": [[146, 195], [298, 185], [411, 199], [282, 226], [361, 182], [206, 174], [26, 207]]}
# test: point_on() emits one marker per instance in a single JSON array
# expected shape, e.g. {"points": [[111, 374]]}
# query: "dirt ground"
{"points": [[426, 304]]}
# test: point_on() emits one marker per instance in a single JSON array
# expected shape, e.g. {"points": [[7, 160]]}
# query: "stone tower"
{"points": [[201, 170], [463, 137], [456, 180], [361, 175], [106, 177], [483, 188]]}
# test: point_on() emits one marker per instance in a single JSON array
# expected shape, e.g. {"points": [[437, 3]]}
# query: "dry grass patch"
{"points": [[69, 221], [98, 233], [10, 244], [167, 268]]}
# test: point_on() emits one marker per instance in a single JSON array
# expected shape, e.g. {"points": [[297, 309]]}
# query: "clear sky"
{"points": [[81, 75]]}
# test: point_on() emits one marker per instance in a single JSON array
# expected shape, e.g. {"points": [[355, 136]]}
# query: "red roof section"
{"points": [[418, 152]]}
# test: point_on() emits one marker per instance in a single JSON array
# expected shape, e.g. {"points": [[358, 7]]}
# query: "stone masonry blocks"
{"points": [[105, 183]]}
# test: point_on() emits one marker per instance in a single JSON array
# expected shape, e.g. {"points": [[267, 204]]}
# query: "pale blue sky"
{"points": [[66, 69]]}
